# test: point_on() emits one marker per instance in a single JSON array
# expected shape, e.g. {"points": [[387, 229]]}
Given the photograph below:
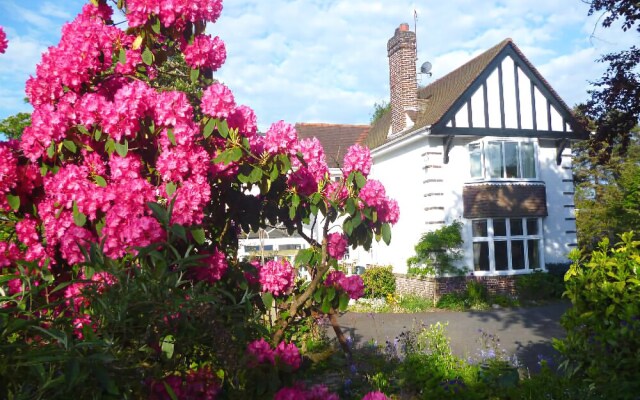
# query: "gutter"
{"points": [[401, 141]]}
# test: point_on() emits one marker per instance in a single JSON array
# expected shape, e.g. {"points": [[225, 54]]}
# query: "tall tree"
{"points": [[13, 126], [615, 103]]}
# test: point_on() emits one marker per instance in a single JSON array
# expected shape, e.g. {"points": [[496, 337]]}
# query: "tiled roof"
{"points": [[335, 138]]}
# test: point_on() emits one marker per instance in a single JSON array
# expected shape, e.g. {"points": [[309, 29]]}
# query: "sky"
{"points": [[326, 60]]}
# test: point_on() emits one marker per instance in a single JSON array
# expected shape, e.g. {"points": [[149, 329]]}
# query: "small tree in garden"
{"points": [[121, 208], [437, 251]]}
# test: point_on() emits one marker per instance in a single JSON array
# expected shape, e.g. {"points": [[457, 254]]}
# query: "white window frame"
{"points": [[483, 158], [491, 239]]}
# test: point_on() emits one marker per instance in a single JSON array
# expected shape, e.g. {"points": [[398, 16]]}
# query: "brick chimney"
{"points": [[403, 81]]}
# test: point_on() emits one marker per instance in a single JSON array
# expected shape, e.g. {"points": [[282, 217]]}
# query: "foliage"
{"points": [[607, 201], [378, 111], [437, 251], [13, 126], [475, 296], [121, 207], [614, 105], [602, 346], [412, 303], [379, 281], [539, 286]]}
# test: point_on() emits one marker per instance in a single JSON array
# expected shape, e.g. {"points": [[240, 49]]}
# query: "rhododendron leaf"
{"points": [[350, 206], [82, 129], [156, 25], [51, 150], [170, 188], [347, 227], [56, 334], [209, 127], [147, 56], [344, 302], [110, 146], [137, 43], [120, 4], [95, 2], [194, 75], [267, 299], [255, 175], [360, 180], [303, 257], [171, 136], [223, 128], [198, 235], [122, 56], [331, 293], [79, 218], [374, 216], [100, 181], [386, 233], [122, 148], [317, 295], [170, 392], [97, 134], [179, 231], [14, 202], [295, 200], [62, 286], [159, 212], [292, 212], [71, 146], [167, 345], [326, 305]]}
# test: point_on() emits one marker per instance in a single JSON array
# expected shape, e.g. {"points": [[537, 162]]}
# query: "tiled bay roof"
{"points": [[335, 138]]}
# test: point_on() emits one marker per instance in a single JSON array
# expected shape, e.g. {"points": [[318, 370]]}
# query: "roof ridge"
{"points": [[329, 124]]}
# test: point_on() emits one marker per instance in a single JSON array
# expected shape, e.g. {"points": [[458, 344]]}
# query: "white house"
{"points": [[489, 145]]}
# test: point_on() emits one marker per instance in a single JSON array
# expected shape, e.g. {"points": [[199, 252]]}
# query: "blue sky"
{"points": [[326, 61]]}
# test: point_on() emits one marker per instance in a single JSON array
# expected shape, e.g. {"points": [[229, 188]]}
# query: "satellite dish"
{"points": [[425, 68]]}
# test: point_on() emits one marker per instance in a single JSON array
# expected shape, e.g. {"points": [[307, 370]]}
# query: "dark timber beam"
{"points": [[561, 144], [447, 141]]}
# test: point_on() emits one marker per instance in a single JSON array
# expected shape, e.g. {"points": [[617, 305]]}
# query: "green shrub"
{"points": [[379, 282], [437, 252], [539, 286], [476, 293], [602, 346], [413, 303], [453, 301]]}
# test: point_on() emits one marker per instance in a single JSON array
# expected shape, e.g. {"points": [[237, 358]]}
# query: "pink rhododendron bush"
{"points": [[122, 205]]}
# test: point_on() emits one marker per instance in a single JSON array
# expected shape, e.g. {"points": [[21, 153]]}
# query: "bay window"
{"points": [[507, 244], [497, 159]]}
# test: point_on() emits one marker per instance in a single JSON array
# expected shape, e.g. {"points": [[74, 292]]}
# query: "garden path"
{"points": [[526, 332]]}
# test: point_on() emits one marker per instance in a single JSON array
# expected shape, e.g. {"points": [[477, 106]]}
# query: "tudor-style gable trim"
{"points": [[509, 98]]}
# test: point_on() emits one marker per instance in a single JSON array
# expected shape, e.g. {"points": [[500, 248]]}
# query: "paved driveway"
{"points": [[526, 332]]}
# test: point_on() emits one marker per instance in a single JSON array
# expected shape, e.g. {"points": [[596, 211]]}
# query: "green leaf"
{"points": [[167, 346], [95, 2], [194, 75], [255, 175], [122, 149], [344, 301], [303, 257], [179, 231], [82, 129], [386, 233], [70, 145], [317, 295], [351, 206], [209, 127], [331, 293], [159, 212], [100, 181], [14, 202], [295, 200], [110, 146], [326, 305], [156, 25], [122, 56], [120, 4], [79, 218], [97, 134], [198, 235], [171, 136], [223, 128], [360, 180], [51, 150], [267, 299], [170, 392], [147, 56], [170, 188], [347, 226]]}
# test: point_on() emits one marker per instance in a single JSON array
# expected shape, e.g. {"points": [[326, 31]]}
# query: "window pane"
{"points": [[511, 159], [517, 254], [494, 159], [528, 160], [502, 257], [479, 228], [475, 159], [481, 256], [516, 226], [532, 226], [533, 253], [499, 227]]}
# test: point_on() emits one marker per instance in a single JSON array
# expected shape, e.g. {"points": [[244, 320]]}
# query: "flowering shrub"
{"points": [[122, 205], [4, 43]]}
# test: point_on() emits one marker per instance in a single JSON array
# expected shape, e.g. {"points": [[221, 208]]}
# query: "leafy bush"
{"points": [[539, 286], [379, 281], [453, 301], [602, 346], [437, 252], [413, 303]]}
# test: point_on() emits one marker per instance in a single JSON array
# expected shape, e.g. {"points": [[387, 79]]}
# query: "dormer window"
{"points": [[502, 159]]}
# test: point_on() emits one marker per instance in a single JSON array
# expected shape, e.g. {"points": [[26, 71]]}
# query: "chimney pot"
{"points": [[404, 27]]}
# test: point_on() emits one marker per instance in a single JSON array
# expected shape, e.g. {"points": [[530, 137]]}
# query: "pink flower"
{"points": [[291, 393], [289, 355], [4, 43], [212, 268], [389, 211], [358, 158], [281, 138], [205, 52], [336, 191], [259, 352], [313, 154], [352, 285], [202, 384], [303, 182], [373, 193], [299, 392], [375, 396], [244, 119], [277, 277], [217, 101], [337, 245]]}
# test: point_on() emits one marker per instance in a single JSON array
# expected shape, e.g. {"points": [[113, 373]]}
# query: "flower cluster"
{"points": [[212, 268], [337, 245], [313, 154], [352, 285], [196, 384], [277, 277], [259, 352], [281, 137], [217, 101], [300, 392], [205, 52], [375, 396], [374, 195], [173, 12], [4, 43], [358, 158]]}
